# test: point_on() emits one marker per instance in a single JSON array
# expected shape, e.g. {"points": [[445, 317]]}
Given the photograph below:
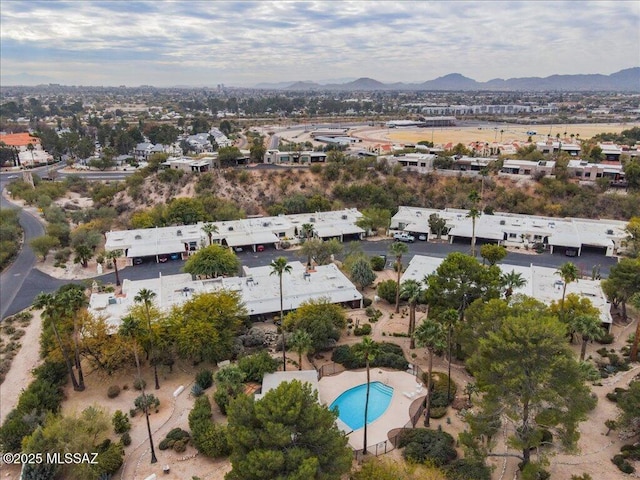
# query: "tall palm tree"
{"points": [[307, 232], [432, 336], [411, 290], [511, 281], [633, 355], [301, 342], [130, 328], [72, 299], [146, 296], [367, 350], [279, 266], [398, 249], [113, 255], [209, 229], [448, 318], [474, 214], [568, 273], [52, 311], [589, 327]]}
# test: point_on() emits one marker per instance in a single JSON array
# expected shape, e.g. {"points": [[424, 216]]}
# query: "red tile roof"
{"points": [[19, 139]]}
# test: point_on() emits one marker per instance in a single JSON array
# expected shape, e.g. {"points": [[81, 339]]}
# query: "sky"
{"points": [[244, 43]]}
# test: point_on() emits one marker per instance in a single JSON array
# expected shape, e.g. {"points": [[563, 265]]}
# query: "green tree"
{"points": [[43, 245], [397, 249], [589, 327], [374, 219], [210, 229], [411, 290], [380, 468], [185, 211], [632, 174], [286, 434], [279, 267], [633, 354], [569, 273], [228, 156], [366, 351], [211, 261], [84, 253], [320, 250], [633, 236], [301, 342], [492, 253], [322, 320], [437, 225], [145, 297], [474, 214], [361, 272], [629, 403], [205, 327], [208, 438], [510, 281], [624, 281], [527, 368], [430, 335], [257, 150]]}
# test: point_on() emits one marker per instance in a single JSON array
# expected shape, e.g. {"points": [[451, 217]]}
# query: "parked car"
{"points": [[260, 248], [175, 256], [571, 252], [422, 238], [404, 237], [237, 249], [137, 261], [162, 258]]}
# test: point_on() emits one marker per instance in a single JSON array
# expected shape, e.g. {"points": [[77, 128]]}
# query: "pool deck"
{"points": [[396, 415]]}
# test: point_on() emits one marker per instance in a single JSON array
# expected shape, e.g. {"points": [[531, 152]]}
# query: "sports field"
{"points": [[495, 133]]}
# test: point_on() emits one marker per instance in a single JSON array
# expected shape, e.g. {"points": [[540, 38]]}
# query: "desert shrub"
{"points": [[285, 244], [623, 465], [179, 446], [422, 445], [390, 356], [125, 439], [437, 412], [366, 302], [120, 422], [196, 390], [364, 329], [606, 339], [166, 444], [377, 263], [113, 391], [204, 378], [147, 401], [467, 469], [615, 395], [631, 451], [387, 290], [208, 438], [257, 365], [440, 383], [177, 434], [222, 399], [139, 383]]}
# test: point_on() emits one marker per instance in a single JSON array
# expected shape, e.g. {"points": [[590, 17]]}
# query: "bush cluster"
{"points": [[422, 445], [208, 438], [364, 329], [390, 356], [204, 379], [120, 422], [257, 365], [113, 391], [387, 290], [177, 439]]}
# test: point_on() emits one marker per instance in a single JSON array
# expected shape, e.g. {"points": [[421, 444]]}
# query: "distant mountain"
{"points": [[627, 80]]}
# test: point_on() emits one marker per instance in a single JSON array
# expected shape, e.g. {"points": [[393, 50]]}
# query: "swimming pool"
{"points": [[350, 403]]}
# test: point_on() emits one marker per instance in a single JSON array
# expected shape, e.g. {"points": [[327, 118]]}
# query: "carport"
{"points": [[151, 250], [252, 239]]}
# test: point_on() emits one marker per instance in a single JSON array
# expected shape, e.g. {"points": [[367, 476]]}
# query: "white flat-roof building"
{"points": [[512, 229], [542, 284], [271, 381], [258, 288], [248, 232], [413, 162]]}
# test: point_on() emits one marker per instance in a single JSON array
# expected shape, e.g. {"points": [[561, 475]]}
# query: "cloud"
{"points": [[244, 43]]}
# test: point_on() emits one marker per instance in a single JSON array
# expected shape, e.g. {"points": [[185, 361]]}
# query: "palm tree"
{"points": [[633, 355], [301, 342], [130, 328], [448, 318], [411, 290], [146, 296], [432, 336], [31, 148], [72, 299], [398, 249], [279, 266], [210, 229], [113, 255], [52, 312], [367, 351], [568, 273], [307, 232], [589, 327], [510, 281], [474, 213]]}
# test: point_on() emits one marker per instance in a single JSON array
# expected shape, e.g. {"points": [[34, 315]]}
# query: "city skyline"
{"points": [[247, 43]]}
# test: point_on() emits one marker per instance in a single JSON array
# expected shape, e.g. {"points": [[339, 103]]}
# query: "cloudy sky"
{"points": [[165, 43]]}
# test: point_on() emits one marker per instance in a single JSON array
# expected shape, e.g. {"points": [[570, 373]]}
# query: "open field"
{"points": [[487, 133]]}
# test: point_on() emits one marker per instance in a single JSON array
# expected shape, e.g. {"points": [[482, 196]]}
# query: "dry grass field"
{"points": [[510, 133]]}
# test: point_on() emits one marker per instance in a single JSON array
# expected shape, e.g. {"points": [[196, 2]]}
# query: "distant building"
{"points": [[276, 157]]}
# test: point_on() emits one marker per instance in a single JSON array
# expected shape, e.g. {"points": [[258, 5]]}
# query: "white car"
{"points": [[404, 237]]}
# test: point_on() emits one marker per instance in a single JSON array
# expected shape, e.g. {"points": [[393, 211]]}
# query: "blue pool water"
{"points": [[350, 404]]}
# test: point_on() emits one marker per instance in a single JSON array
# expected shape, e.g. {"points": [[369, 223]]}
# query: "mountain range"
{"points": [[627, 80]]}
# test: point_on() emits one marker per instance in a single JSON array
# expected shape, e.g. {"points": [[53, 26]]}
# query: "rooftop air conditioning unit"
{"points": [[179, 233], [502, 222], [312, 219], [138, 237], [344, 217], [231, 229], [609, 232]]}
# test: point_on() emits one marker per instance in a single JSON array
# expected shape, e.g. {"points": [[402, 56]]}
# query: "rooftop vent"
{"points": [[138, 237], [231, 229], [179, 233], [344, 217], [609, 232], [312, 219]]}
